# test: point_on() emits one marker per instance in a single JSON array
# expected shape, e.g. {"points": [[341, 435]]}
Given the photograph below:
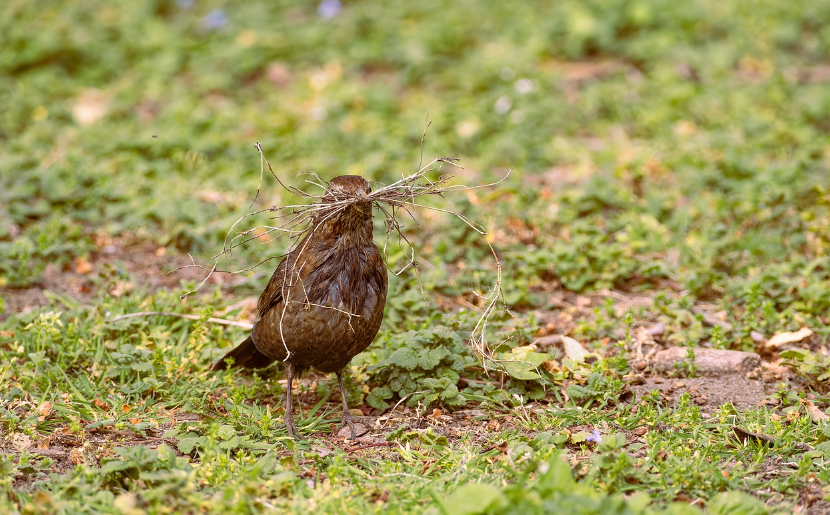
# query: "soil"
{"points": [[65, 450], [138, 264], [710, 393]]}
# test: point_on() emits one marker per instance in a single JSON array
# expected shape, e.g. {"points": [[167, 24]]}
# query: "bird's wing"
{"points": [[304, 259], [272, 294]]}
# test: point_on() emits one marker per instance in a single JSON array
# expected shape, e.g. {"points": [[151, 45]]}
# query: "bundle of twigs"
{"points": [[402, 196]]}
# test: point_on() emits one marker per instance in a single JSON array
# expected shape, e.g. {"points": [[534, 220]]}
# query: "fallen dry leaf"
{"points": [[472, 197], [467, 128], [83, 266], [44, 410], [278, 74], [101, 404], [120, 288], [583, 302], [21, 442], [262, 234], [91, 106], [551, 366], [76, 455], [781, 339], [322, 451], [211, 196], [574, 349], [815, 413]]}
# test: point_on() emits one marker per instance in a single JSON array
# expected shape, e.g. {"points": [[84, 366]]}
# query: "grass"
{"points": [[669, 170]]}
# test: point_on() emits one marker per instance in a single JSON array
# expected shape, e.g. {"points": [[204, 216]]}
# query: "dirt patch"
{"points": [[119, 266], [709, 392], [61, 451], [811, 500]]}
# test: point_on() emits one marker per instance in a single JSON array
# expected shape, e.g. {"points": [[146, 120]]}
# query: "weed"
{"points": [[687, 367]]}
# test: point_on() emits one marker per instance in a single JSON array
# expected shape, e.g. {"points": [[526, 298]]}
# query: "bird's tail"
{"points": [[244, 355]]}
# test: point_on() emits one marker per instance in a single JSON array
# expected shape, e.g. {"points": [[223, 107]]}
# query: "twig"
{"points": [[300, 221], [369, 446], [427, 123], [244, 325], [388, 416]]}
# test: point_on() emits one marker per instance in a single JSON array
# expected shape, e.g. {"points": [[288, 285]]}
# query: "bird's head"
{"points": [[348, 196], [347, 187]]}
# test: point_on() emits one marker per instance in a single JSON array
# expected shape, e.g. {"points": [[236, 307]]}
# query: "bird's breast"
{"points": [[332, 312]]}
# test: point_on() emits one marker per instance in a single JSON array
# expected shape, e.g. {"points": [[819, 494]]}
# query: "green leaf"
{"points": [[99, 423], [611, 442], [470, 499], [230, 444], [794, 354], [579, 437], [824, 449], [405, 357], [557, 478], [225, 432], [142, 367], [450, 392], [577, 393], [432, 358], [187, 445], [377, 397], [520, 370], [395, 385], [116, 466], [736, 503]]}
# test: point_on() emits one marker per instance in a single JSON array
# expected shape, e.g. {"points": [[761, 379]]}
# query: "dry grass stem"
{"points": [[220, 321], [297, 221]]}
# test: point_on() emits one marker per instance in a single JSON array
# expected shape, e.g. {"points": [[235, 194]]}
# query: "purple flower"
{"points": [[328, 9], [595, 437], [215, 19], [185, 4]]}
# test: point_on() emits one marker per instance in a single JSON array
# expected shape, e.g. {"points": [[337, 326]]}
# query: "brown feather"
{"points": [[324, 302]]}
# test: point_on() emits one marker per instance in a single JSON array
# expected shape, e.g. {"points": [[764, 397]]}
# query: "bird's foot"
{"points": [[292, 429], [347, 419]]}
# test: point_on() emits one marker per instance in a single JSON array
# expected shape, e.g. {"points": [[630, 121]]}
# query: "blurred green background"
{"points": [[647, 138]]}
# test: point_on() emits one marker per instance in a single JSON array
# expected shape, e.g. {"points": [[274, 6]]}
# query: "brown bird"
{"points": [[324, 302]]}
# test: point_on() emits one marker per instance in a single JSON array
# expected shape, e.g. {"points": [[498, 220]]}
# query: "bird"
{"points": [[324, 302]]}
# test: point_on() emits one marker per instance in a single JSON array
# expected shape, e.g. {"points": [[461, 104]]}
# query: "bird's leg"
{"points": [[289, 416], [347, 417]]}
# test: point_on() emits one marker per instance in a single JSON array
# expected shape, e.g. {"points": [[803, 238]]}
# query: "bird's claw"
{"points": [[292, 429], [347, 419]]}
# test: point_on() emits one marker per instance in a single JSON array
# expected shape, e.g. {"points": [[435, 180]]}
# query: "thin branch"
{"points": [[299, 222], [243, 325], [427, 123]]}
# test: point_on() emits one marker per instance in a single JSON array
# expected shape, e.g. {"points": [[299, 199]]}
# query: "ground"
{"points": [[666, 209]]}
